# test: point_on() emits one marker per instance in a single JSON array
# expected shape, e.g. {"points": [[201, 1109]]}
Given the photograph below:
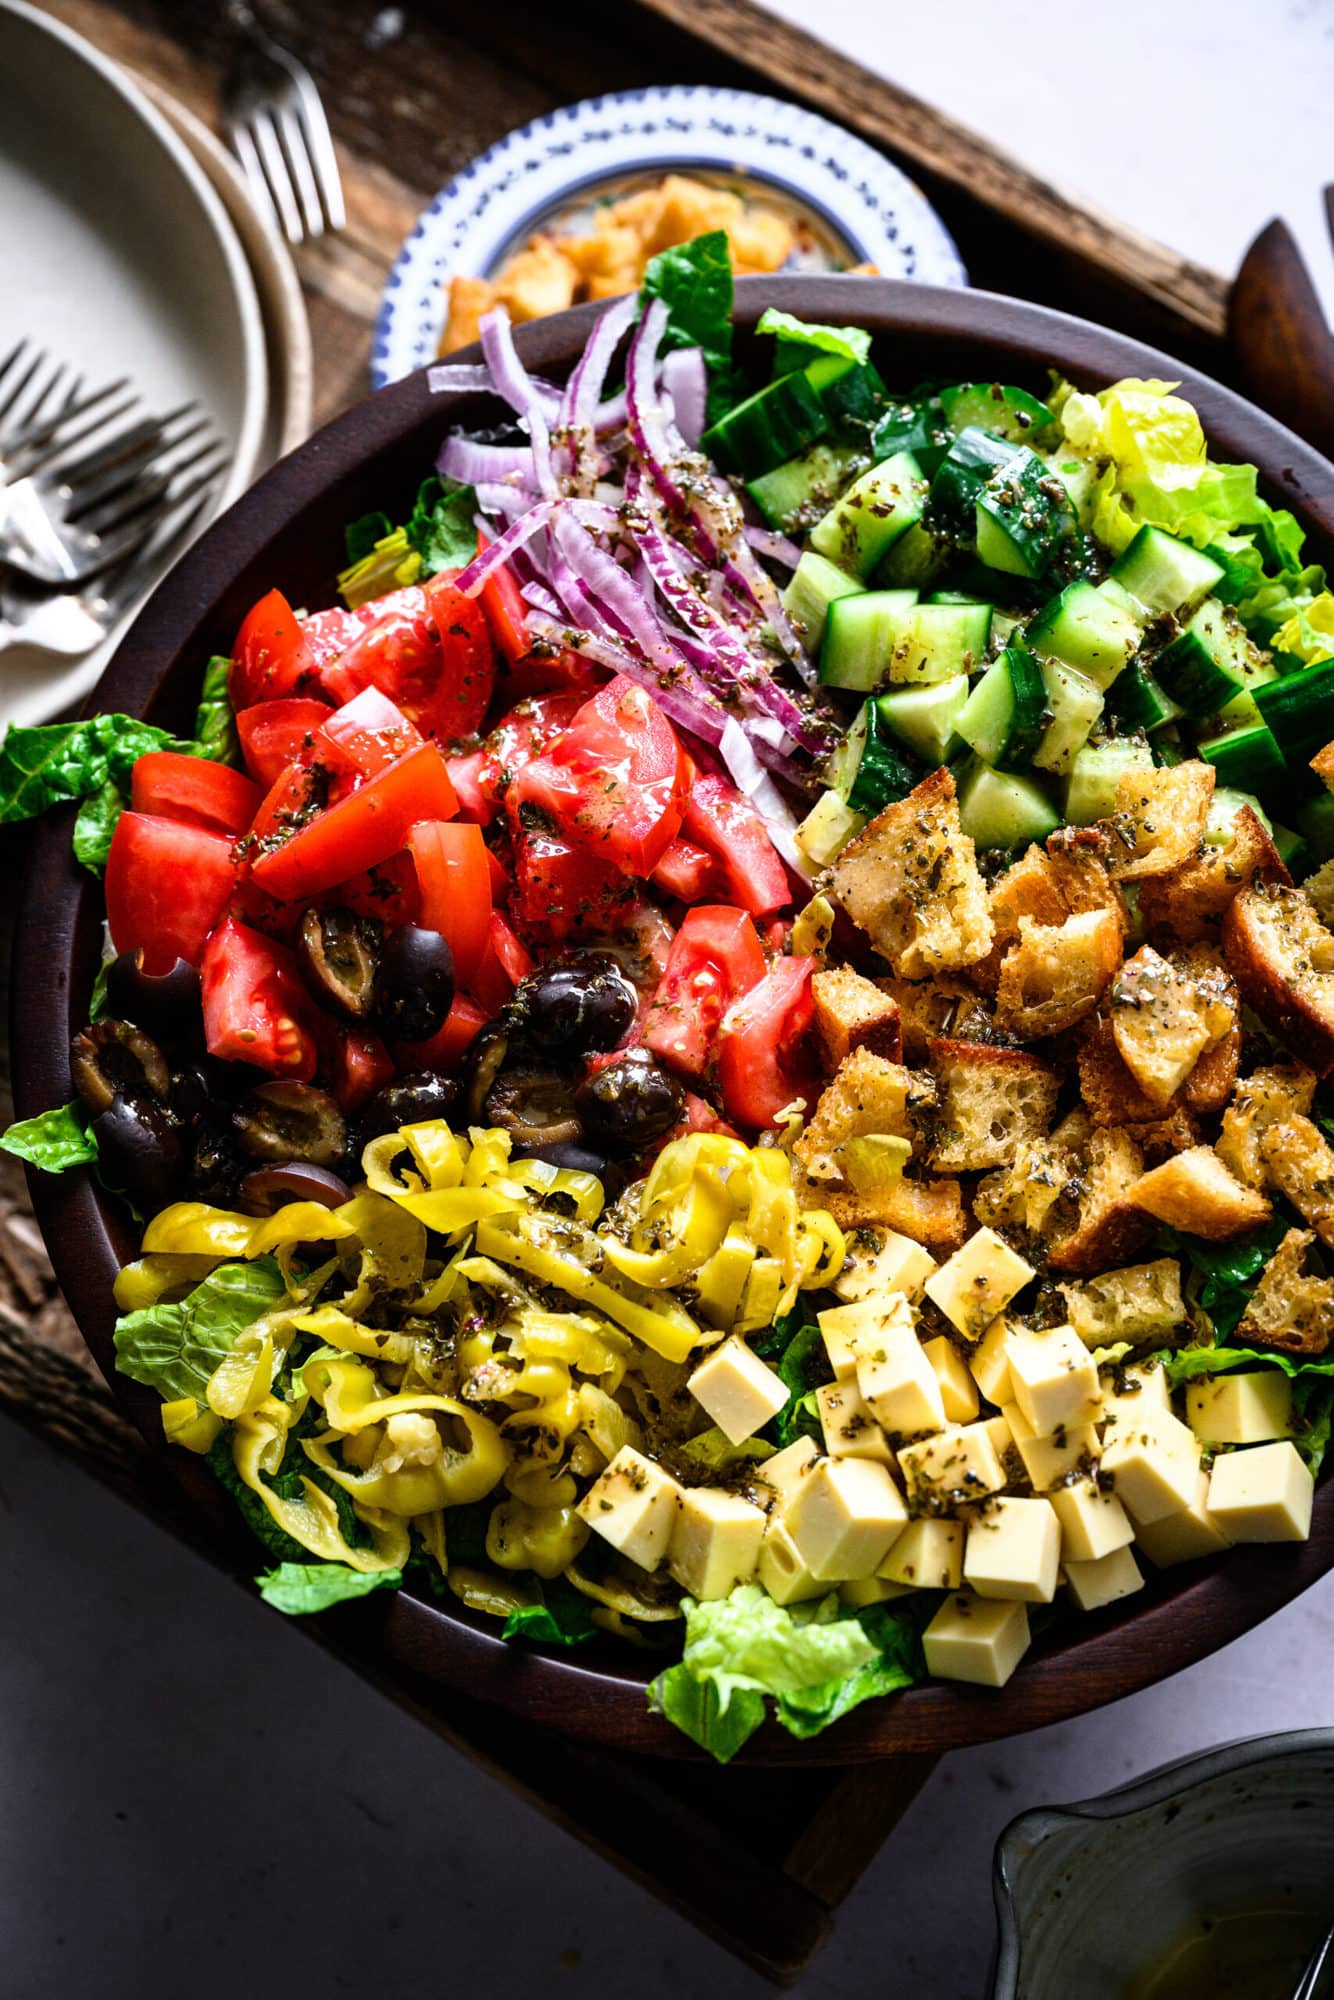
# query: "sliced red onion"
{"points": [[655, 436], [465, 378], [474, 464], [580, 405], [496, 554], [509, 377], [685, 382], [749, 776], [542, 599], [700, 718], [620, 594], [778, 548], [511, 501]]}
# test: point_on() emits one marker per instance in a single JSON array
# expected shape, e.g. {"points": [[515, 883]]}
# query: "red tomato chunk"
{"points": [[166, 886]]}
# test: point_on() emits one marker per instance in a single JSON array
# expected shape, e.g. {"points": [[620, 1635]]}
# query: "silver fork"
{"points": [[44, 408], [72, 520], [277, 126]]}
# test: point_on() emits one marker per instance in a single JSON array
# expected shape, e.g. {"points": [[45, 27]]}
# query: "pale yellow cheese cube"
{"points": [[844, 1516], [1053, 1376], [958, 1390], [738, 1390], [883, 1261], [1186, 1535], [785, 1470], [972, 1640], [989, 1363], [1128, 1393], [716, 1541], [978, 1282], [956, 1466], [781, 1570], [898, 1384], [1002, 1443], [633, 1505], [1093, 1584], [849, 1330], [1263, 1494], [928, 1555], [869, 1590], [1153, 1465], [1251, 1406], [1049, 1460], [849, 1426], [1093, 1521], [1013, 1549]]}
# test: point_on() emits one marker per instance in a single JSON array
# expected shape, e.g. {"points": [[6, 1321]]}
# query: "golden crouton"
{"points": [[1079, 859], [1190, 901], [1159, 1138], [469, 299], [989, 1101], [1057, 973], [910, 880], [868, 1096], [1318, 890], [1323, 766], [1194, 1192], [1024, 1194], [1160, 818], [851, 1013], [930, 1211], [1290, 1308], [1299, 1162], [1141, 1304], [930, 1007], [1282, 958], [1110, 1227], [1027, 889], [1273, 1094], [540, 280], [1165, 1014]]}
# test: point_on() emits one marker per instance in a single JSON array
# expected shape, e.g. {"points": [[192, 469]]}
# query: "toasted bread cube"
{"points": [[738, 1390], [1093, 1584], [972, 1640], [849, 1425], [1057, 974], [1189, 902], [1270, 1097], [991, 1101], [539, 280], [1110, 1228], [633, 1505], [716, 1541], [469, 299], [787, 1468], [1163, 1020], [1013, 1550], [880, 1260], [1053, 1377], [910, 880], [898, 1384], [930, 1211], [781, 1571], [869, 1097], [853, 1330], [1128, 1392], [1141, 1303], [955, 1466], [870, 1590], [1160, 817], [1093, 1521], [928, 1555], [978, 1282], [1290, 1308], [989, 1363], [1299, 1162], [1186, 1535], [1249, 1406], [1264, 1494], [1050, 1460], [844, 1516], [958, 1390], [1195, 1192], [1023, 1195], [1152, 1464], [1282, 958], [852, 1012], [949, 1004], [1318, 890]]}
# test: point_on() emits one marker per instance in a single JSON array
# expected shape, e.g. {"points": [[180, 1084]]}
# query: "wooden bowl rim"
{"points": [[1182, 1616]]}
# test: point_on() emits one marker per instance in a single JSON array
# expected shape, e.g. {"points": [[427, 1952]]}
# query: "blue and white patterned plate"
{"points": [[860, 208]]}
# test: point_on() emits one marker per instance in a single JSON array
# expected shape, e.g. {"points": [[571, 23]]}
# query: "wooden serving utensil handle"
{"points": [[1278, 331]]}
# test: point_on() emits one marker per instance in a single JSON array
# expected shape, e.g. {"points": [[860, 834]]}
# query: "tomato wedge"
{"points": [[445, 1047], [763, 1060], [560, 889], [722, 820], [270, 656], [367, 733], [194, 789], [715, 958], [504, 609], [616, 780], [256, 1009], [166, 885], [361, 1065], [427, 647], [361, 830], [686, 872], [275, 734], [454, 882]]}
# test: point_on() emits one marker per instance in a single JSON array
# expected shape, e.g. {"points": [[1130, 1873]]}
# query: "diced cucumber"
{"points": [[795, 494], [1139, 702], [816, 584], [827, 828], [851, 393], [1079, 476], [1246, 760], [1002, 809], [1095, 774], [916, 427], [1315, 823], [1074, 705], [1212, 662], [914, 559], [1022, 515], [962, 473], [1003, 719], [926, 717], [938, 641], [1300, 710], [773, 425], [1223, 809], [868, 769], [1095, 627], [861, 632], [1293, 851], [1164, 574], [992, 406], [876, 509]]}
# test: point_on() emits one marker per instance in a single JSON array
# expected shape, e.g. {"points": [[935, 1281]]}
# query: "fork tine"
{"points": [[13, 355], [40, 405], [148, 435], [18, 388], [276, 174], [174, 529], [130, 498], [320, 147], [243, 145], [44, 456], [73, 409], [292, 134]]}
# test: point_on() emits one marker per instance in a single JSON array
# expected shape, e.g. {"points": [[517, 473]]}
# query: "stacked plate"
{"points": [[130, 247]]}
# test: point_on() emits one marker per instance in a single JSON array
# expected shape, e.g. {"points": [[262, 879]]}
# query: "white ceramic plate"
{"points": [[117, 255], [860, 206]]}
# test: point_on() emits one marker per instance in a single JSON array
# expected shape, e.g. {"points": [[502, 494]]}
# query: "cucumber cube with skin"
{"points": [[876, 509], [816, 584], [937, 641], [862, 631], [1094, 775], [1075, 705], [1164, 574], [1094, 628], [926, 717], [1001, 809]]}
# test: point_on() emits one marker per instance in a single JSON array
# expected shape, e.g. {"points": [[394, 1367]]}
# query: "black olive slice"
{"points": [[112, 1057]]}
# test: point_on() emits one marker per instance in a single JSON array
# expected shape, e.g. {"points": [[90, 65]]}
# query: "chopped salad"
{"points": [[730, 1052]]}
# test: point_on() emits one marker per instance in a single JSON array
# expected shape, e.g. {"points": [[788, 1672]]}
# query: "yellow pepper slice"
{"points": [[664, 1325]]}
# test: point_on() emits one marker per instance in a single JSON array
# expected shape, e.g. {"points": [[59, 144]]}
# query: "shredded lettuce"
{"points": [[215, 722], [175, 1348], [799, 342], [53, 1140], [300, 1588], [694, 282]]}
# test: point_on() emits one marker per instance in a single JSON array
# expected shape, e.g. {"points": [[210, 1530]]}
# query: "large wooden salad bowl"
{"points": [[288, 530]]}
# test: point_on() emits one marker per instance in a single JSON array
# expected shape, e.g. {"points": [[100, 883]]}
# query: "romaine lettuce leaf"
{"points": [[300, 1588], [746, 1641], [853, 343], [563, 1618], [802, 1366], [215, 723], [1225, 1273], [898, 1663], [1312, 1386], [1308, 631], [694, 282], [361, 535], [94, 824], [53, 1140], [695, 1709], [175, 1348], [442, 527]]}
